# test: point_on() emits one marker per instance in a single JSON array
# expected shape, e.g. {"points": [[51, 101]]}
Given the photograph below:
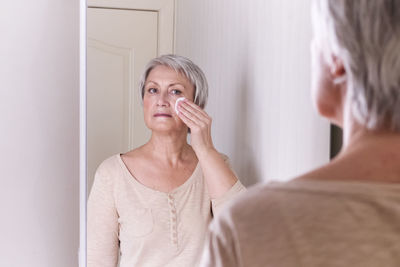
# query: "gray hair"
{"points": [[365, 34], [185, 67]]}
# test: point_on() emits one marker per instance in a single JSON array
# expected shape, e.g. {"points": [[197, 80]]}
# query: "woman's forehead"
{"points": [[165, 74]]}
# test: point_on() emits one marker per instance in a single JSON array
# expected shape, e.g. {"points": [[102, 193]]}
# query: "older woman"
{"points": [[153, 204], [346, 213]]}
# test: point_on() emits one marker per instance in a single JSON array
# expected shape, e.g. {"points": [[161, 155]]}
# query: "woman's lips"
{"points": [[162, 115]]}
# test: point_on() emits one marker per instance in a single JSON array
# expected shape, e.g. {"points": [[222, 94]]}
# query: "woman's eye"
{"points": [[176, 92], [152, 90]]}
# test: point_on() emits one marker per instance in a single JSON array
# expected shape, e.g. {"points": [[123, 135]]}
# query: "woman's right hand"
{"points": [[199, 123]]}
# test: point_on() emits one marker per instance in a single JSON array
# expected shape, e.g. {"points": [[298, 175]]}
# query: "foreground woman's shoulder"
{"points": [[258, 197]]}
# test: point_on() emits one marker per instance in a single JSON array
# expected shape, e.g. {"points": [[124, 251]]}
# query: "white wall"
{"points": [[256, 57], [39, 137]]}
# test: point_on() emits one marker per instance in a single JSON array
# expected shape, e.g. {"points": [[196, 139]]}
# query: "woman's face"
{"points": [[163, 87]]}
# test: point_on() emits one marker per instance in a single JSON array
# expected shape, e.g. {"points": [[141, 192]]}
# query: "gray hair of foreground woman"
{"points": [[185, 67], [365, 34]]}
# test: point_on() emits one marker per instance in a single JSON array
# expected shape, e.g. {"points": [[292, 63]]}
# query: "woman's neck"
{"points": [[356, 136], [169, 148], [365, 156], [372, 155]]}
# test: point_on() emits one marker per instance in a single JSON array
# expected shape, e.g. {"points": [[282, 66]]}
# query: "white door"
{"points": [[120, 43]]}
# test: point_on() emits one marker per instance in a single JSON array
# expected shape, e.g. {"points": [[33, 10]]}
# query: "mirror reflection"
{"points": [[160, 169], [161, 196]]}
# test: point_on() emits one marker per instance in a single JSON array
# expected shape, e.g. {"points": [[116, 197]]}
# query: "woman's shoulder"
{"points": [[109, 165], [117, 160], [137, 157], [298, 195]]}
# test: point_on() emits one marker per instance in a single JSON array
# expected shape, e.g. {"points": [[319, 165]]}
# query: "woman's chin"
{"points": [[167, 129]]}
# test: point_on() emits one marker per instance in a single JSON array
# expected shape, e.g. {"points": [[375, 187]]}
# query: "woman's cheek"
{"points": [[146, 109]]}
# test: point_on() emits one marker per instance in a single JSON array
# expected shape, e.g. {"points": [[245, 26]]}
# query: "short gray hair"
{"points": [[365, 34], [185, 67]]}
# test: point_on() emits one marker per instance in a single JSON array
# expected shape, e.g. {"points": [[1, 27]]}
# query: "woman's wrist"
{"points": [[206, 152]]}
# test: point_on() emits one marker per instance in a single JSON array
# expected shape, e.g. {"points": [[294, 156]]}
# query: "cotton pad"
{"points": [[176, 104]]}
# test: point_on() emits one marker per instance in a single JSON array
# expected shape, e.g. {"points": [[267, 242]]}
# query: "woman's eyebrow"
{"points": [[173, 84], [151, 82]]}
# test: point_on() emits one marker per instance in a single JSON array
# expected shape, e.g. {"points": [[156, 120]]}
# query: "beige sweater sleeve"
{"points": [[102, 223], [221, 246], [218, 203]]}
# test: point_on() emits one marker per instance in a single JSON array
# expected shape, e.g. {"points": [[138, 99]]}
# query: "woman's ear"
{"points": [[338, 72], [339, 78]]}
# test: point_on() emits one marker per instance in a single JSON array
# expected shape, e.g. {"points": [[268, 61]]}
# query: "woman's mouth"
{"points": [[162, 115]]}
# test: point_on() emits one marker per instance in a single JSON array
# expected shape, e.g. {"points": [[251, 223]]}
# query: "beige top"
{"points": [[148, 227], [308, 224]]}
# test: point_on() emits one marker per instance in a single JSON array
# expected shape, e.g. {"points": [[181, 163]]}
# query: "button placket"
{"points": [[173, 216]]}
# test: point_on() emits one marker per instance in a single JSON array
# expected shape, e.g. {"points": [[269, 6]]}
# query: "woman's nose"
{"points": [[163, 100]]}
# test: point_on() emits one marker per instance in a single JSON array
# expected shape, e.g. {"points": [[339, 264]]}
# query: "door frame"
{"points": [[166, 17]]}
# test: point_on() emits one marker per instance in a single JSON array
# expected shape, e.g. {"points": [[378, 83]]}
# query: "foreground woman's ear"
{"points": [[338, 72]]}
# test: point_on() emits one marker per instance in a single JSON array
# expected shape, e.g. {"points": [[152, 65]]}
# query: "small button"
{"points": [[174, 219], [173, 211], [170, 197]]}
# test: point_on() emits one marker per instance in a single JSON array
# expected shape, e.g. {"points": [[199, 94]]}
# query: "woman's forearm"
{"points": [[217, 174]]}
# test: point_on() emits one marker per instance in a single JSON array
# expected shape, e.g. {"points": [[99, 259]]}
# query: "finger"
{"points": [[195, 126], [196, 111], [201, 121], [190, 114], [189, 103], [189, 123]]}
